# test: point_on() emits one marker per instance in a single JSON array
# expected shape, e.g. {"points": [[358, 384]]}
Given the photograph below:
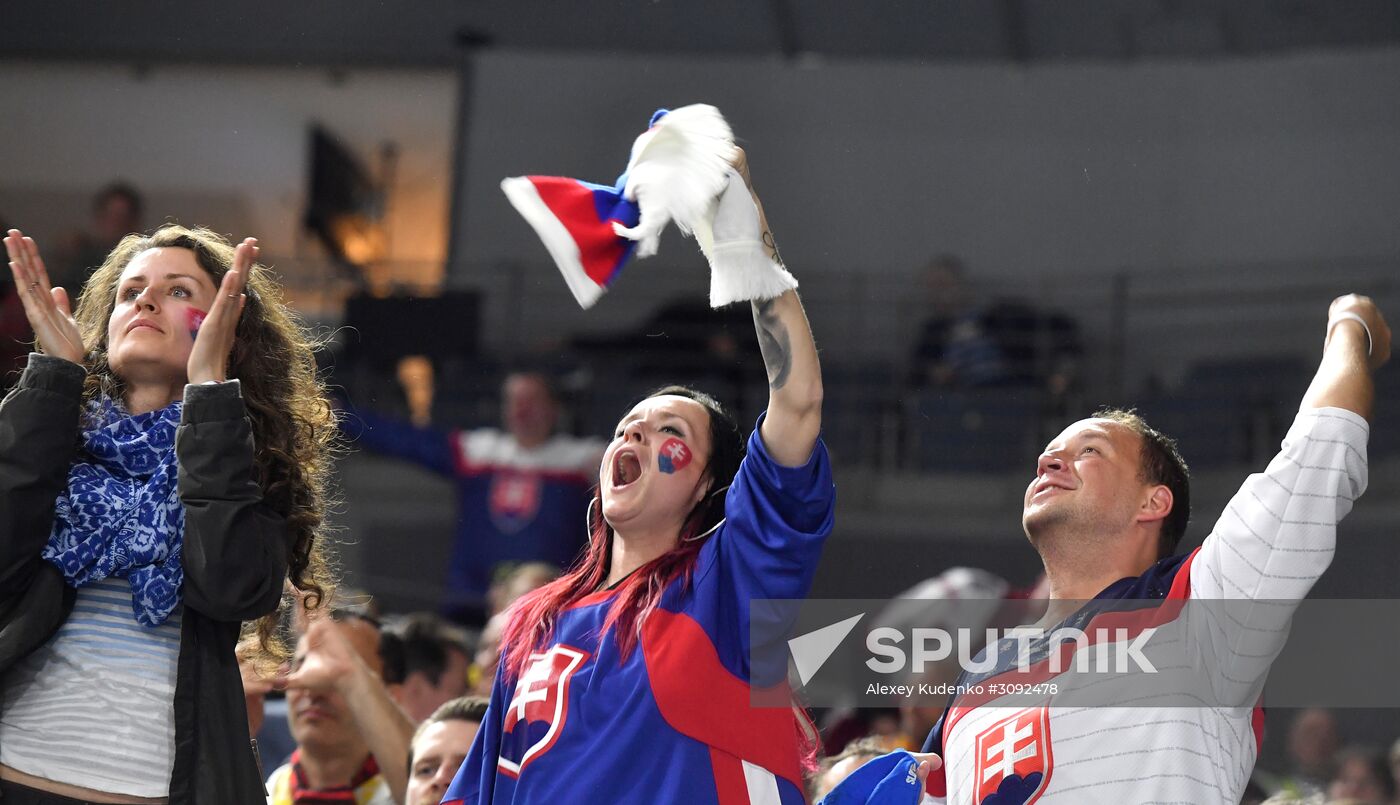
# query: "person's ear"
{"points": [[1157, 505]]}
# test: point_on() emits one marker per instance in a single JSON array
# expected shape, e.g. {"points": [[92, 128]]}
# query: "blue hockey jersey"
{"points": [[513, 504], [671, 721]]}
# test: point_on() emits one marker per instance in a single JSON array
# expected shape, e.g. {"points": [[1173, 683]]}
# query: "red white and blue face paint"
{"points": [[194, 317], [673, 456]]}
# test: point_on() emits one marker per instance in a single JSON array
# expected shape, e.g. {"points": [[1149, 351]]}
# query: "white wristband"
{"points": [[1349, 316]]}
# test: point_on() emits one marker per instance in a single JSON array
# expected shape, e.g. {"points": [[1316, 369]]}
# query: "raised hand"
{"points": [[744, 261], [209, 357], [1356, 345], [48, 309], [325, 660], [1354, 307], [765, 235], [928, 763]]}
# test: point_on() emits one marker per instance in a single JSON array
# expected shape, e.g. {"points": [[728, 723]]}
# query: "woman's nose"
{"points": [[635, 431]]}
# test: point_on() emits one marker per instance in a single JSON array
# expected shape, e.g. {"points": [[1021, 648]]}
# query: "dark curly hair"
{"points": [[273, 359]]}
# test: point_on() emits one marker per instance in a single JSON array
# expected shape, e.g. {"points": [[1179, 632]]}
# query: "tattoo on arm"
{"points": [[772, 246], [773, 342]]}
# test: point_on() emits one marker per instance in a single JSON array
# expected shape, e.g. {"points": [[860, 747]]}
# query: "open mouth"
{"points": [[626, 469]]}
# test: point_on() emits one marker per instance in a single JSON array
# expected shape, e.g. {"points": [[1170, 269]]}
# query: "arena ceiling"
{"points": [[428, 33]]}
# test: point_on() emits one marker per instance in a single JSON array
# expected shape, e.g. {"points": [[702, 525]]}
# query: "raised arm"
{"points": [[1278, 534], [790, 356], [1357, 343], [327, 662], [39, 418]]}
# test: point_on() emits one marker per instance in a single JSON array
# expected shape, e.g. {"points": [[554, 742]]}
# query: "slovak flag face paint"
{"points": [[194, 317], [673, 456]]}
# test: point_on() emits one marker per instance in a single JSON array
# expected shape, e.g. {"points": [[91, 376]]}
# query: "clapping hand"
{"points": [[209, 357], [48, 309]]}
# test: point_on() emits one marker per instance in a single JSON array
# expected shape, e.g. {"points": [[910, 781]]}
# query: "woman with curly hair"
{"points": [[628, 679], [164, 463]]}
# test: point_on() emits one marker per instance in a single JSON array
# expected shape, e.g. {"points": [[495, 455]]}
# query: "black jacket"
{"points": [[235, 560]]}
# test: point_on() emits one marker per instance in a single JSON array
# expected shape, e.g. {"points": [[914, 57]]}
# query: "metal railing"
{"points": [[1167, 340]]}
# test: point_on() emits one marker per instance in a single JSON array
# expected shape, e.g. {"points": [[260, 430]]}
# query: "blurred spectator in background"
{"points": [[958, 598], [425, 663], [439, 747], [1362, 775], [522, 491], [116, 212], [16, 339], [488, 655], [1394, 759], [1313, 740], [838, 767], [352, 739], [516, 581], [967, 344], [275, 741], [1289, 798]]}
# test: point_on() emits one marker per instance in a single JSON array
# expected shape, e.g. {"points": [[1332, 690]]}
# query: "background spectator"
{"points": [[838, 767], [352, 739], [439, 747], [1394, 759], [425, 663], [522, 491], [519, 580], [116, 212], [488, 655], [1313, 740], [970, 344], [1362, 775]]}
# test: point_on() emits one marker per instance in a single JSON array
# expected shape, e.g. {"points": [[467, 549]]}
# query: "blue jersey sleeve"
{"points": [[430, 448], [777, 519], [476, 777]]}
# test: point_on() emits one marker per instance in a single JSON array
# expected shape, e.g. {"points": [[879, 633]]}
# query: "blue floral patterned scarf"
{"points": [[121, 514]]}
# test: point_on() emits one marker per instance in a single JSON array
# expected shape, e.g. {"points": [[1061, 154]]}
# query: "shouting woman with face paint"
{"points": [[163, 470], [628, 679]]}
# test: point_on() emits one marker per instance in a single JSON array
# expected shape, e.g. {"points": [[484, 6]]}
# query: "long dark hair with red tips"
{"points": [[531, 619]]}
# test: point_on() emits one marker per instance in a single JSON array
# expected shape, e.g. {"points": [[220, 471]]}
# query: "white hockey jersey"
{"points": [[1273, 541]]}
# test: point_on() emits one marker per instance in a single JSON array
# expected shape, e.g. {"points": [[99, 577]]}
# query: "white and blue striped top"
{"points": [[94, 706]]}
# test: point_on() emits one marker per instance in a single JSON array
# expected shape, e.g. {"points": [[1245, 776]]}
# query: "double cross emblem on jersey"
{"points": [[1013, 759], [514, 498], [539, 707]]}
